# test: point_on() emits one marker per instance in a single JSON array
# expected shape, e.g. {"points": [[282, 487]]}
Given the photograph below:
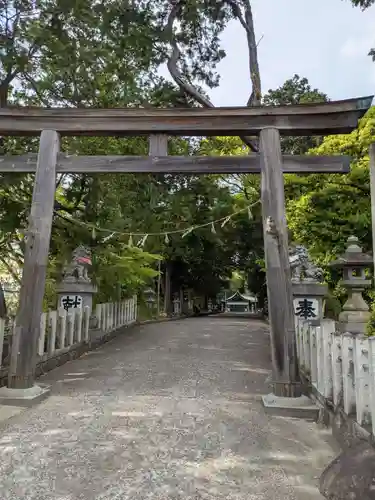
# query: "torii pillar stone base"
{"points": [[24, 397], [301, 407]]}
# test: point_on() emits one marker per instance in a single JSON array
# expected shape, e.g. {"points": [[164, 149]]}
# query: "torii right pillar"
{"points": [[287, 395]]}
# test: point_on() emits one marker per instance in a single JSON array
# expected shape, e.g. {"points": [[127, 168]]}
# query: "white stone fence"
{"points": [[62, 331], [341, 368]]}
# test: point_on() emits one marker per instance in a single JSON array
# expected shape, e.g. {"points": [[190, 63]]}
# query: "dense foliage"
{"points": [[65, 53], [107, 54], [364, 4]]}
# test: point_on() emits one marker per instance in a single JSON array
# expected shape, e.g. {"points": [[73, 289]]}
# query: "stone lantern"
{"points": [[354, 262], [150, 298], [176, 306]]}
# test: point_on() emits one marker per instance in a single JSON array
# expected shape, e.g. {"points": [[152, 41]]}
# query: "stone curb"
{"points": [[174, 318], [161, 320], [236, 316]]}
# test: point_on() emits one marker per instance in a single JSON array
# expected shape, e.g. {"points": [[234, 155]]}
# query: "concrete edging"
{"points": [[345, 429], [163, 320]]}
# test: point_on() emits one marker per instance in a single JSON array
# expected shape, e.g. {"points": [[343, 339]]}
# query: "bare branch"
{"points": [[238, 187], [15, 255], [247, 23], [36, 90], [174, 58], [176, 74], [260, 39], [10, 270], [59, 180], [236, 10], [256, 95]]}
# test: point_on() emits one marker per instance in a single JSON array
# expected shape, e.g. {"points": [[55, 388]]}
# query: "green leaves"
{"points": [[103, 53], [106, 54], [364, 4], [296, 90], [330, 208], [122, 275]]}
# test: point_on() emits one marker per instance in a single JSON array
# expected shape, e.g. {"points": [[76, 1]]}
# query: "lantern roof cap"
{"points": [[353, 256]]}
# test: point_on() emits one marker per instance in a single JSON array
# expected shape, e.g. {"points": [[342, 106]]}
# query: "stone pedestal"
{"points": [[354, 322], [308, 299], [75, 295]]}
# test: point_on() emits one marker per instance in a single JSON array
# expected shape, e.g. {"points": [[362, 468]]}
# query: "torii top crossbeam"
{"points": [[335, 117]]}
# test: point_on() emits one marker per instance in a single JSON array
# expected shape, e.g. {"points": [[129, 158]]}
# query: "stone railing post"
{"points": [[176, 306], [358, 380], [372, 381], [352, 324]]}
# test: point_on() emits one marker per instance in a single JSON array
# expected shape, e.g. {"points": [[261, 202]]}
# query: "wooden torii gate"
{"points": [[268, 123]]}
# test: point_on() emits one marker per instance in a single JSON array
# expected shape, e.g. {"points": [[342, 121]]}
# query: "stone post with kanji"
{"points": [[307, 286], [76, 291]]}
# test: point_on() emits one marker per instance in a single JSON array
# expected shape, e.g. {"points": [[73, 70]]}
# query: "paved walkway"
{"points": [[167, 411]]}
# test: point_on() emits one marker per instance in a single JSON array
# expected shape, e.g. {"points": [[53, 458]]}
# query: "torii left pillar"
{"points": [[22, 389]]}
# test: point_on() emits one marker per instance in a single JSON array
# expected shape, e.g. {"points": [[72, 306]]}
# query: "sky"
{"points": [[326, 41]]}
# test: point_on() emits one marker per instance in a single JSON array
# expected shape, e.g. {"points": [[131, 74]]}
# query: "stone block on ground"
{"points": [[24, 397], [7, 412], [301, 407], [351, 475]]}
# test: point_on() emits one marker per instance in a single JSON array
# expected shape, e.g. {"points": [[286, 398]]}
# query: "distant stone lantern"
{"points": [[150, 297], [354, 262]]}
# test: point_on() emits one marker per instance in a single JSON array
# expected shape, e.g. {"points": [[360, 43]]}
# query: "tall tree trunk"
{"points": [[3, 306], [4, 89], [256, 94], [242, 11], [167, 289]]}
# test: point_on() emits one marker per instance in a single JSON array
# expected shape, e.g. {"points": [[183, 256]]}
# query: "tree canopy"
{"points": [[108, 54], [333, 207], [364, 4]]}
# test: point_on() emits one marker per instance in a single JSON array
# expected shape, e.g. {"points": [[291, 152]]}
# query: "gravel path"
{"points": [[165, 411]]}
